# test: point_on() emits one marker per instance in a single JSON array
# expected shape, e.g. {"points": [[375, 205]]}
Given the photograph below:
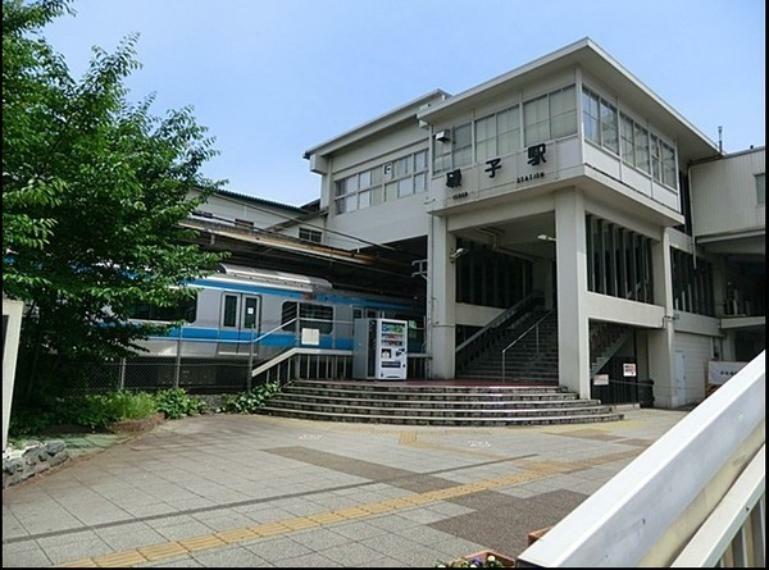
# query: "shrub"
{"points": [[131, 405], [249, 402], [176, 403]]}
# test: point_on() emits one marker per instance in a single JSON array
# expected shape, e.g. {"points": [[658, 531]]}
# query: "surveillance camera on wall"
{"points": [[458, 253], [443, 136]]}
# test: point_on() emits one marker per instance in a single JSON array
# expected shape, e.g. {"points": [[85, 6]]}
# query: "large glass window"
{"points": [[508, 131], [563, 113], [609, 135], [668, 165], [641, 148], [656, 158], [590, 116], [536, 121], [761, 188], [627, 140], [403, 176], [463, 146], [486, 138]]}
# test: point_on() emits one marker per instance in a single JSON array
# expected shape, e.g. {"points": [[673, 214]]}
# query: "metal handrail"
{"points": [[504, 350], [497, 320]]}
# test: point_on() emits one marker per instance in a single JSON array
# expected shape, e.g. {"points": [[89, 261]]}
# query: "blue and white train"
{"points": [[247, 312]]}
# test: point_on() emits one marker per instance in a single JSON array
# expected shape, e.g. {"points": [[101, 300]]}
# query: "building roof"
{"points": [[376, 124], [260, 201], [692, 143]]}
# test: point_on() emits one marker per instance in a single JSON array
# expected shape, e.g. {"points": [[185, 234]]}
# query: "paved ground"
{"points": [[260, 491]]}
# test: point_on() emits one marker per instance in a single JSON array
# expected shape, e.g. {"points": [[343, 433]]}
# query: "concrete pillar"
{"points": [[660, 345], [542, 280], [441, 290], [12, 313], [571, 273]]}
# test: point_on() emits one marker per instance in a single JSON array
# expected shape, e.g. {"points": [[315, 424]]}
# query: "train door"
{"points": [[239, 321]]}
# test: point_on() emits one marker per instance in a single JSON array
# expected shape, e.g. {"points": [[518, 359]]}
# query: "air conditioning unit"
{"points": [[443, 136]]}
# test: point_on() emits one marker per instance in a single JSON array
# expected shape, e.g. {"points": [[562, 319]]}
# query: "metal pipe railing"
{"points": [[535, 326]]}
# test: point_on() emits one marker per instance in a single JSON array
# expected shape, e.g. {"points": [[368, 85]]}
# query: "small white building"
{"points": [[568, 181]]}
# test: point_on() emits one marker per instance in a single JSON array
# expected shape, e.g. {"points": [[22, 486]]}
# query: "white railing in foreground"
{"points": [[651, 512]]}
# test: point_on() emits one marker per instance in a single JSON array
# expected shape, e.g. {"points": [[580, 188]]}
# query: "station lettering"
{"points": [[532, 176]]}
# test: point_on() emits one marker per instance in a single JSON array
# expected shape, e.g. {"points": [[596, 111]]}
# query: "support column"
{"points": [[571, 272], [441, 305], [661, 345]]}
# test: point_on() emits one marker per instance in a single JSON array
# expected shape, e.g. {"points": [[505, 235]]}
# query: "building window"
{"points": [[656, 158], [761, 188], [498, 134], [310, 235], [456, 152], [563, 113], [536, 119], [590, 116], [692, 286], [628, 156], [401, 177], [668, 165], [609, 135], [600, 121], [641, 148]]}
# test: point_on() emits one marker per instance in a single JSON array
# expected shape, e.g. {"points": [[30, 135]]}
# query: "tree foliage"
{"points": [[94, 190]]}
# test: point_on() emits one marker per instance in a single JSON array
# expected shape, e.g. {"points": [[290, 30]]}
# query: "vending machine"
{"points": [[381, 349]]}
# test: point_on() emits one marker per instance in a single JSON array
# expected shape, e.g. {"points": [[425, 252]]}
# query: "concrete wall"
{"points": [[727, 185], [261, 216]]}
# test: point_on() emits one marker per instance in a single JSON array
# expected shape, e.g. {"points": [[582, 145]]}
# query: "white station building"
{"points": [[568, 187]]}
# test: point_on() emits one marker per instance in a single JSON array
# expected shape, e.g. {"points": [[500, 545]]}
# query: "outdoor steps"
{"points": [[440, 404]]}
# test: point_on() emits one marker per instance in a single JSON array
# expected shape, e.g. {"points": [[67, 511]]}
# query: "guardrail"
{"points": [[694, 497], [535, 328]]}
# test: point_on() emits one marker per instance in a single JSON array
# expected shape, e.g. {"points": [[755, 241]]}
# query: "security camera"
{"points": [[459, 252]]}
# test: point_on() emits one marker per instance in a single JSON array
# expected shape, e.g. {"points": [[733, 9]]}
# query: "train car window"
{"points": [[357, 313], [287, 316], [186, 310], [316, 315], [230, 311]]}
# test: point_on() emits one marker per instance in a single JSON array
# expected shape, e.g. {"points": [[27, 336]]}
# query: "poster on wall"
{"points": [[629, 369], [720, 371]]}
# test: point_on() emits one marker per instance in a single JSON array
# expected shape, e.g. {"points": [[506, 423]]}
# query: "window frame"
{"points": [[760, 189]]}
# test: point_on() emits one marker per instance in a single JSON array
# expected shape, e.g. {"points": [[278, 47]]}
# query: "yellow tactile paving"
{"points": [[120, 559], [529, 471], [300, 523], [203, 542], [164, 550], [236, 535]]}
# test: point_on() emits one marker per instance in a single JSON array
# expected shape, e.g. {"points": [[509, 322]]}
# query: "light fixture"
{"points": [[545, 237]]}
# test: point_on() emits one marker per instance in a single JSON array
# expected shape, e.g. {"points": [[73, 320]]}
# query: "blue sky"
{"points": [[273, 78]]}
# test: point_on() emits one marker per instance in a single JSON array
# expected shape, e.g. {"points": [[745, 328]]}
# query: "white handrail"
{"points": [[523, 334], [645, 513], [496, 320], [294, 351]]}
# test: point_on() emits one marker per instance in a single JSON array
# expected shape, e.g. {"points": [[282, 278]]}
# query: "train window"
{"points": [[357, 313], [186, 310], [317, 317], [230, 311], [288, 316]]}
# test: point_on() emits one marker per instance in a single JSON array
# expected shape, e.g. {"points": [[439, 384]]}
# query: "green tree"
{"points": [[94, 190]]}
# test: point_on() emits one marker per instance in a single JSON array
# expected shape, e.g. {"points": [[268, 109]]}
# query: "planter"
{"points": [[481, 560], [136, 425]]}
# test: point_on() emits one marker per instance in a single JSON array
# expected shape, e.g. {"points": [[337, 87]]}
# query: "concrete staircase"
{"points": [[522, 362], [434, 403]]}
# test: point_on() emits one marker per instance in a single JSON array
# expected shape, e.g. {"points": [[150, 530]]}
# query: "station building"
{"points": [[563, 200]]}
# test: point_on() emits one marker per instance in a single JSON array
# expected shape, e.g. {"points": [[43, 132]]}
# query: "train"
{"points": [[246, 312]]}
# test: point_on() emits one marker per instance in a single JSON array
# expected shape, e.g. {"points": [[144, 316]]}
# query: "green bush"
{"points": [[176, 403], [249, 402], [131, 405]]}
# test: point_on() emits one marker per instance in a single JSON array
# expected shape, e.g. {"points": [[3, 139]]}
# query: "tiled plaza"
{"points": [[232, 490]]}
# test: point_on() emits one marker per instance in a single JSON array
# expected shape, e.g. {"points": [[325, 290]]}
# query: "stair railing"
{"points": [[534, 327], [463, 352]]}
